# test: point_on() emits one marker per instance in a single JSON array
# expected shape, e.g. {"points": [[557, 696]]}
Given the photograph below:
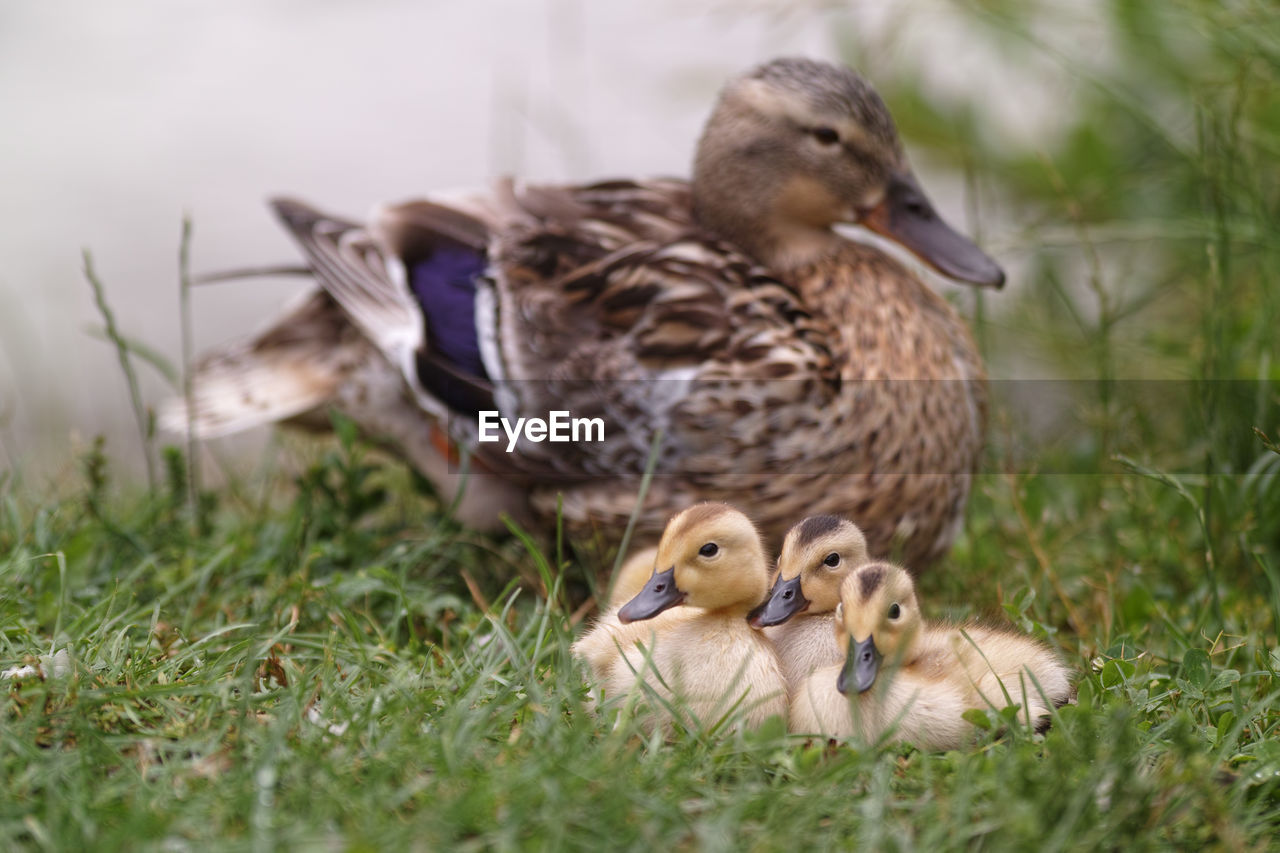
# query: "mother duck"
{"points": [[790, 370]]}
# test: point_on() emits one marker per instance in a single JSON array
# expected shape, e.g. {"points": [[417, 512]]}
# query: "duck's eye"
{"points": [[894, 611], [825, 135], [917, 208], [832, 560], [709, 550]]}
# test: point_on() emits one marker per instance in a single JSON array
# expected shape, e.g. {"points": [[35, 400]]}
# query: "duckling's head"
{"points": [[816, 556], [710, 556], [794, 147], [878, 617]]}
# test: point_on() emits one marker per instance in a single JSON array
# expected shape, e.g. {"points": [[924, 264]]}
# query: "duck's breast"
{"points": [[716, 662]]}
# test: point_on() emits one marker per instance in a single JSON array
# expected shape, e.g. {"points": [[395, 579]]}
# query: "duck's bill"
{"points": [[906, 217], [785, 601], [861, 665], [658, 594]]}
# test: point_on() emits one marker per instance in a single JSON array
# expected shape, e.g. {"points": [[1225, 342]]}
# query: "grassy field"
{"points": [[336, 665], [317, 656]]}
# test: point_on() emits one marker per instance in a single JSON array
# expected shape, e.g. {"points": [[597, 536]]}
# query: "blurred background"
{"points": [[1117, 157]]}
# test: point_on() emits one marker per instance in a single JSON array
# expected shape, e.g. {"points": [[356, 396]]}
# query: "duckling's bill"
{"points": [[861, 665], [785, 600], [657, 595]]}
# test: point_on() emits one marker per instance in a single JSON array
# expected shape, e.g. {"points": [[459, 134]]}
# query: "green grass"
{"points": [[311, 670]]}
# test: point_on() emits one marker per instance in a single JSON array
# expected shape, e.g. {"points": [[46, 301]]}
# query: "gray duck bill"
{"points": [[785, 600], [907, 217], [860, 666], [658, 594]]}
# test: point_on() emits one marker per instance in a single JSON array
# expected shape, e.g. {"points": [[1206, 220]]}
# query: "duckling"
{"points": [[817, 554], [698, 650], [936, 672]]}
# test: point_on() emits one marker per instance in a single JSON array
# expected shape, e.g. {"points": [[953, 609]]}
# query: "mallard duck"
{"points": [[698, 651], [798, 616], [725, 312], [917, 679]]}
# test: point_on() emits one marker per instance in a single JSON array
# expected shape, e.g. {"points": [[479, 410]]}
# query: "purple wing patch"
{"points": [[445, 286]]}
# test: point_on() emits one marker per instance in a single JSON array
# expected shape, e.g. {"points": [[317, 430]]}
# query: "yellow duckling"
{"points": [[690, 617], [817, 554], [936, 672]]}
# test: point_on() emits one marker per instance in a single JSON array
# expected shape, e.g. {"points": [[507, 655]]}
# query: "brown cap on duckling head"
{"points": [[710, 556], [795, 146], [816, 556], [878, 617]]}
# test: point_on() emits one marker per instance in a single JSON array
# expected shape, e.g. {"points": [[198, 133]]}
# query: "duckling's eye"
{"points": [[894, 610], [709, 550], [832, 560], [825, 135]]}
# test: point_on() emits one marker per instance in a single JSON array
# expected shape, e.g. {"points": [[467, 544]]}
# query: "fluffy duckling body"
{"points": [[935, 672], [698, 650], [817, 555]]}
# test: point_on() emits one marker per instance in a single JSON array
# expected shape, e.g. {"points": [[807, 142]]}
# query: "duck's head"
{"points": [[796, 146], [710, 556], [878, 617], [816, 556]]}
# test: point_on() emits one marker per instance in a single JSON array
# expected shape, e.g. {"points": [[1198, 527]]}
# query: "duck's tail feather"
{"points": [[292, 368]]}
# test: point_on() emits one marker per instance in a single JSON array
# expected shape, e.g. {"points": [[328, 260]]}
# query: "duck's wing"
{"points": [[354, 270], [413, 279], [607, 302], [601, 301], [371, 273]]}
